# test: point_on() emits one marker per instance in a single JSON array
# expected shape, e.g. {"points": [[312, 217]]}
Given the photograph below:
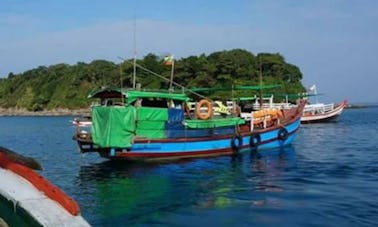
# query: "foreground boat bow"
{"points": [[28, 199]]}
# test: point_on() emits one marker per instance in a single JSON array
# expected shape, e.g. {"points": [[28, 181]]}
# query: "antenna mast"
{"points": [[135, 52], [260, 78]]}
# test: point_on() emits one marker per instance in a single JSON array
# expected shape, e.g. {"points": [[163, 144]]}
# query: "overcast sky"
{"points": [[333, 42]]}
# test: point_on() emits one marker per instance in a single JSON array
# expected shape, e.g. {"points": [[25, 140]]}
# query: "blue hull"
{"points": [[149, 150]]}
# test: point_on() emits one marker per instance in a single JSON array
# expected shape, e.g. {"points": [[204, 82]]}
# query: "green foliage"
{"points": [[67, 86]]}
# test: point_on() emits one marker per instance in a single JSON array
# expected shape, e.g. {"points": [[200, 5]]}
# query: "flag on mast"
{"points": [[312, 88], [168, 60]]}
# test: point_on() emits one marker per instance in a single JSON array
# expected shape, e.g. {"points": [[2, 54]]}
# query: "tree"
{"points": [[67, 86]]}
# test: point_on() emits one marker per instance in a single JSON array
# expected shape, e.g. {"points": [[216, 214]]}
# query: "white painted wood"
{"points": [[39, 206]]}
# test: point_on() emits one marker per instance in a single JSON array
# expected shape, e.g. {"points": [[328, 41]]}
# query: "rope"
{"points": [[164, 78]]}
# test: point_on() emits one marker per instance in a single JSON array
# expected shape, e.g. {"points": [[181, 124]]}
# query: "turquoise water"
{"points": [[328, 177]]}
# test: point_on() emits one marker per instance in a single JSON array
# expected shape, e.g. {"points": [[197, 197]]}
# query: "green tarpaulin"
{"points": [[152, 114], [151, 122], [151, 129], [113, 126], [213, 123]]}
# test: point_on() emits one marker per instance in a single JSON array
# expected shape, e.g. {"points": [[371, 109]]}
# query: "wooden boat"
{"points": [[154, 126], [28, 199], [321, 112], [312, 113], [84, 121]]}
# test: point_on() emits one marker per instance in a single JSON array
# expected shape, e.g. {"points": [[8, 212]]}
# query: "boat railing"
{"points": [[256, 106], [319, 108], [328, 107]]}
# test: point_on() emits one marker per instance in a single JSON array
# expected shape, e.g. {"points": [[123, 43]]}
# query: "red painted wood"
{"points": [[42, 184]]}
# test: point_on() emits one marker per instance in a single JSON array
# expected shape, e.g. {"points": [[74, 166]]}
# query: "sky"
{"points": [[333, 42]]}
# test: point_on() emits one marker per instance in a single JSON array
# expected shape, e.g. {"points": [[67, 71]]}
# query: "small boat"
{"points": [[155, 126], [28, 199], [320, 112], [83, 121], [312, 113]]}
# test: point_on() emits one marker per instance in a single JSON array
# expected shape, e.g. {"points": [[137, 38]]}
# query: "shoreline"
{"points": [[7, 112]]}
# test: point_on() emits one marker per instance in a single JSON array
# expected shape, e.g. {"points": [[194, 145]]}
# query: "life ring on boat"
{"points": [[283, 134], [236, 142], [254, 140], [209, 112]]}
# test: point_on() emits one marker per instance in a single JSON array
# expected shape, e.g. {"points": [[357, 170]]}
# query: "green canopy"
{"points": [[235, 88], [108, 93], [134, 95], [214, 123], [298, 95]]}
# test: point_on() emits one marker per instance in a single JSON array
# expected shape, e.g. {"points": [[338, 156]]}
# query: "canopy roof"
{"points": [[298, 95], [235, 88], [133, 95], [108, 93]]}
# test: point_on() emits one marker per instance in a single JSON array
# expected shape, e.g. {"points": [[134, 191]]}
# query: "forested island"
{"points": [[65, 87]]}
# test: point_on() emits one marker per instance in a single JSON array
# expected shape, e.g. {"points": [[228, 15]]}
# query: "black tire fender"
{"points": [[236, 142], [282, 134], [254, 140]]}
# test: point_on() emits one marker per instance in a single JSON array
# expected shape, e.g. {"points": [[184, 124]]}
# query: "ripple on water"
{"points": [[328, 177]]}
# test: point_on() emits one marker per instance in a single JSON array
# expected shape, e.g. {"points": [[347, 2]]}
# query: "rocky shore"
{"points": [[52, 112]]}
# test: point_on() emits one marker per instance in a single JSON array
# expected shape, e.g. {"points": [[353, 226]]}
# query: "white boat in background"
{"points": [[320, 112], [312, 113]]}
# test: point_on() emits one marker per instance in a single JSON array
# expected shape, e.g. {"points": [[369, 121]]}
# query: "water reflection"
{"points": [[119, 192]]}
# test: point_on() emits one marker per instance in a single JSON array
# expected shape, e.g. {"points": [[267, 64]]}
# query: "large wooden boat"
{"points": [[320, 112], [153, 126], [28, 199]]}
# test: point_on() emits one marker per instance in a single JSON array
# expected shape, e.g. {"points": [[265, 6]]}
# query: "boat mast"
{"points": [[260, 78], [120, 80], [135, 52], [172, 70], [316, 95]]}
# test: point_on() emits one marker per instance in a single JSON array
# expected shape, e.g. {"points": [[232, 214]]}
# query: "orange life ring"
{"points": [[209, 112]]}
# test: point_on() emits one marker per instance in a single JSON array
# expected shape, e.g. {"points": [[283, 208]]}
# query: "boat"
{"points": [[142, 125], [320, 112], [82, 121], [312, 113], [28, 199]]}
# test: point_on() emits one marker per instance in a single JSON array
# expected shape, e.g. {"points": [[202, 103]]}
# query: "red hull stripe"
{"points": [[41, 184], [174, 154]]}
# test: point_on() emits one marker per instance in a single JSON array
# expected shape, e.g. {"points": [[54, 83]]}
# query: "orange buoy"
{"points": [[209, 112]]}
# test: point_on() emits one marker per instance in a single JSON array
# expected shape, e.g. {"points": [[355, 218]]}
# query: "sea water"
{"points": [[328, 177]]}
